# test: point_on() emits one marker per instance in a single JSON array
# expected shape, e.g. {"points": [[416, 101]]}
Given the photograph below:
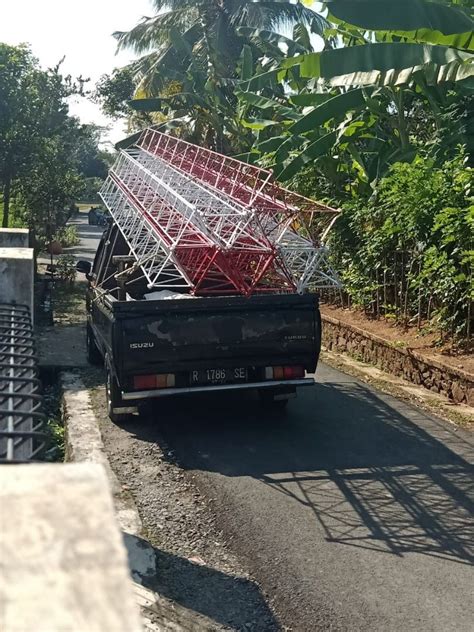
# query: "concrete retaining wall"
{"points": [[64, 565], [455, 384], [17, 276], [14, 238]]}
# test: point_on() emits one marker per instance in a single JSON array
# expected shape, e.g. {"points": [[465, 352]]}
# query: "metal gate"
{"points": [[21, 419]]}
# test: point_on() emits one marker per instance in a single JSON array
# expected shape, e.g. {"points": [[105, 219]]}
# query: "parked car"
{"points": [[98, 217]]}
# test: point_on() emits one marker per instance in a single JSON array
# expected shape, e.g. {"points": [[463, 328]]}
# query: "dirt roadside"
{"points": [[426, 343]]}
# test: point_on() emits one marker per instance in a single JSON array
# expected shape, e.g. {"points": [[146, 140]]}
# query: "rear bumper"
{"points": [[164, 392]]}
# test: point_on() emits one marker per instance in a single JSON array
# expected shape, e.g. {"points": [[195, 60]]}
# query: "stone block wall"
{"points": [[455, 384]]}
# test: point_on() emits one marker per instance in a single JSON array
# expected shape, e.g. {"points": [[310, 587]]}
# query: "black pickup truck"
{"points": [[157, 348]]}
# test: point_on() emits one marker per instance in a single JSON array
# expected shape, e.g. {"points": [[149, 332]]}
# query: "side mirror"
{"points": [[84, 266]]}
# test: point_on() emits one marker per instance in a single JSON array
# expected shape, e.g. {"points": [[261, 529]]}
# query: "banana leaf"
{"points": [[259, 36], [405, 15], [313, 150], [381, 63], [338, 105], [264, 103]]}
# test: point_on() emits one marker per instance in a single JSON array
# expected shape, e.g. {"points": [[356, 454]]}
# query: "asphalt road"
{"points": [[89, 236], [353, 511]]}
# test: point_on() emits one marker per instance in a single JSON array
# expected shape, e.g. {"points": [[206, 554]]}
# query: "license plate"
{"points": [[218, 376]]}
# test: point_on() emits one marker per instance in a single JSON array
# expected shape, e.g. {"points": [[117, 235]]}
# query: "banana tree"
{"points": [[362, 97]]}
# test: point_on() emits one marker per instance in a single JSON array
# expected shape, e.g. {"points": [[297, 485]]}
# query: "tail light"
{"points": [[148, 382], [284, 372]]}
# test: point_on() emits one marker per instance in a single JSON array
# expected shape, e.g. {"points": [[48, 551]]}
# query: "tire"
{"points": [[94, 356], [114, 399]]}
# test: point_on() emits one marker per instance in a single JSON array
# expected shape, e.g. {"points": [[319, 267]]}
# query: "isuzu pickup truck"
{"points": [[155, 347]]}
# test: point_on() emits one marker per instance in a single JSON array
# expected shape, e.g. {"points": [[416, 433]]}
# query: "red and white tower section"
{"points": [[203, 223]]}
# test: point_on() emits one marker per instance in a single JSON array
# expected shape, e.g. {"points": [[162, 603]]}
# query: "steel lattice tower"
{"points": [[195, 219]]}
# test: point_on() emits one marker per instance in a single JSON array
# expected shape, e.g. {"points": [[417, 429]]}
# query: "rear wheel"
{"points": [[114, 400], [93, 354]]}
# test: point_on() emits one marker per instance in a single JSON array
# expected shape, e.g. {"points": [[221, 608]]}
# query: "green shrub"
{"points": [[408, 251], [66, 268], [67, 236], [54, 426]]}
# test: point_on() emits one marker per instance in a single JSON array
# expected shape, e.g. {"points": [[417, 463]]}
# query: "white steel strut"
{"points": [[145, 244]]}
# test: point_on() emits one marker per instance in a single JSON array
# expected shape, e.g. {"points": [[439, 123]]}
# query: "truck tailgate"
{"points": [[173, 335]]}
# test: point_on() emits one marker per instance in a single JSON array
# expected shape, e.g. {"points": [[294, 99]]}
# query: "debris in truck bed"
{"points": [[163, 295]]}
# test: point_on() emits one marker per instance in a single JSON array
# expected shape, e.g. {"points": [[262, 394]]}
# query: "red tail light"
{"points": [[292, 372], [149, 382], [284, 372], [143, 382]]}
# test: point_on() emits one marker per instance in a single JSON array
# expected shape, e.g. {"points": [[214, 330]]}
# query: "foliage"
{"points": [[408, 251], [408, 19], [92, 162], [193, 54], [114, 92], [66, 268], [54, 427], [90, 191], [366, 105], [67, 236], [45, 153], [383, 90], [47, 192], [17, 119]]}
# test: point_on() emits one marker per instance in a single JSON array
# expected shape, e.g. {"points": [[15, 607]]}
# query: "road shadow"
{"points": [[371, 475], [228, 600]]}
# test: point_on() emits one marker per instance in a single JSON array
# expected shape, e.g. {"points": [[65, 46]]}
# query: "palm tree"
{"points": [[190, 55], [215, 21]]}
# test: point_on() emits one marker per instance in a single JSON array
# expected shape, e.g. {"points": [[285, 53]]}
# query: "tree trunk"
{"points": [[468, 323], [419, 297], [377, 297], [402, 124], [395, 283], [407, 290], [469, 311], [6, 200]]}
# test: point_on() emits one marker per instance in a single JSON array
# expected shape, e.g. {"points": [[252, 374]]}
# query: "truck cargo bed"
{"points": [[173, 335]]}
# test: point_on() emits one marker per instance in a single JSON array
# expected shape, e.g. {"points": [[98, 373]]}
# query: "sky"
{"points": [[80, 31]]}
